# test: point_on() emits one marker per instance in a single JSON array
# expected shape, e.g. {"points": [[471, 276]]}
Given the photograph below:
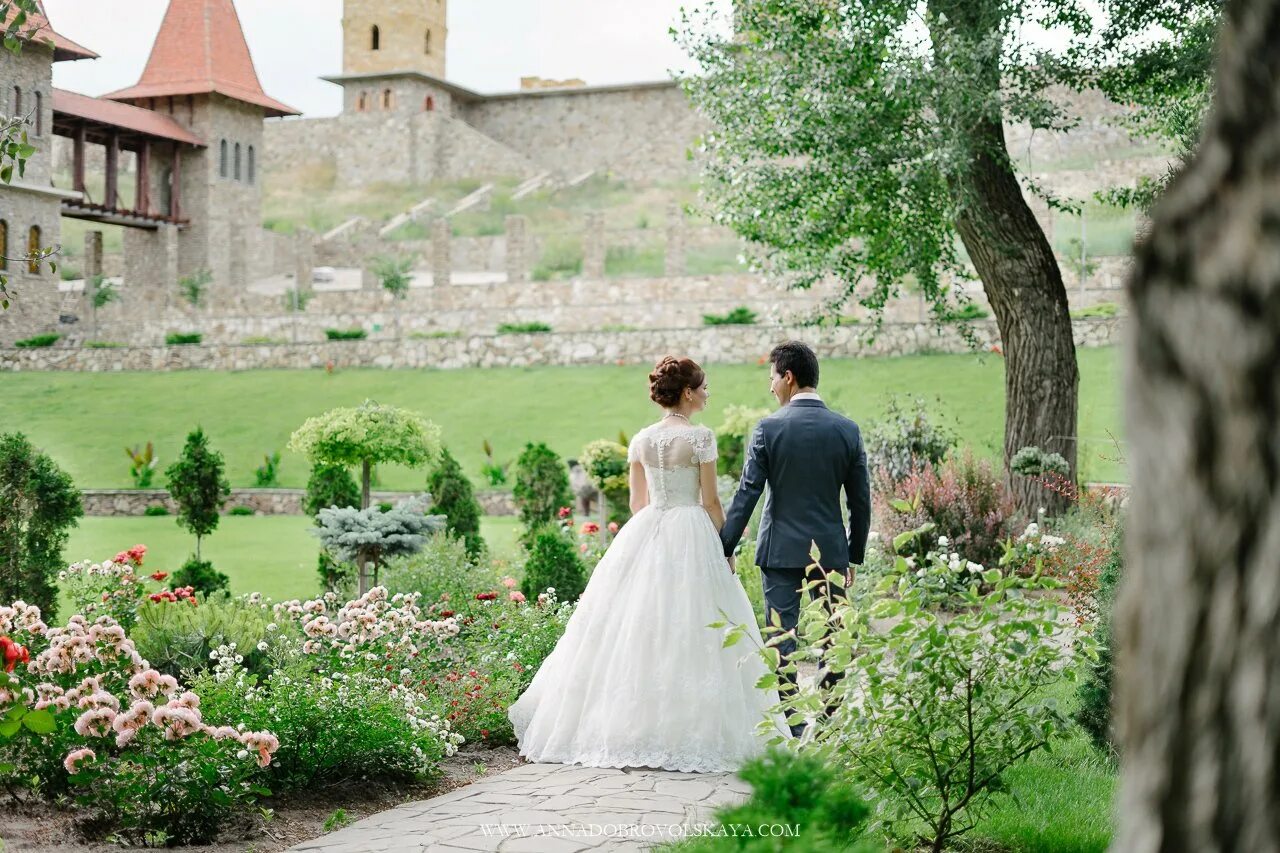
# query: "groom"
{"points": [[805, 453]]}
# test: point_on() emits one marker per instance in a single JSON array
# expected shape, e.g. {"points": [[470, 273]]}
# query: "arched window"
{"points": [[39, 114], [253, 166], [429, 104], [362, 102], [4, 245], [222, 170], [388, 99], [375, 38], [33, 248], [237, 161], [426, 43]]}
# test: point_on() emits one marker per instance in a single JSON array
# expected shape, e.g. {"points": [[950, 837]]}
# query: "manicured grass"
{"points": [[85, 420], [1061, 800], [272, 554]]}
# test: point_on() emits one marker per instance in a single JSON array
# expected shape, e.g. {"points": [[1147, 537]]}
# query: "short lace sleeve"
{"points": [[704, 446], [633, 449]]}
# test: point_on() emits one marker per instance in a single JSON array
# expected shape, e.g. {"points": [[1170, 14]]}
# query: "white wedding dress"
{"points": [[638, 679]]}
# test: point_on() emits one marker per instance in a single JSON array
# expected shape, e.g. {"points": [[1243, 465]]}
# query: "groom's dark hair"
{"points": [[799, 359]]}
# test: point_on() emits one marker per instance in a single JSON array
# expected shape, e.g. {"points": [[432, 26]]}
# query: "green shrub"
{"points": [[731, 438], [1102, 309], [39, 341], [443, 568], [41, 505], [197, 486], [176, 637], [553, 563], [902, 442], [262, 340], [267, 475], [156, 509], [959, 682], [791, 791], [345, 334], [454, 498], [966, 312], [740, 316], [104, 344], [541, 486], [329, 485], [181, 338], [199, 575], [1094, 712], [240, 510], [606, 465], [561, 258], [435, 335], [523, 328], [1034, 462]]}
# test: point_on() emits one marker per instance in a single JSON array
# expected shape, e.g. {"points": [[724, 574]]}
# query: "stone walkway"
{"points": [[546, 808]]}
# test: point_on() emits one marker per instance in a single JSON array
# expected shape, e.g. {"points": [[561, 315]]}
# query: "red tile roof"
{"points": [[42, 31], [201, 49], [124, 116]]}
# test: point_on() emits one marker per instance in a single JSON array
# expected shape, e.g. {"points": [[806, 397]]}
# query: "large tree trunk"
{"points": [[1198, 668], [1012, 256]]}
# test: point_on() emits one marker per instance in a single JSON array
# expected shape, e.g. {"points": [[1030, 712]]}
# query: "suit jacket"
{"points": [[805, 453]]}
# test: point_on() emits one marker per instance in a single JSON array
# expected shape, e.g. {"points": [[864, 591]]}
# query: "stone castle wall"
{"points": [[711, 345], [134, 502]]}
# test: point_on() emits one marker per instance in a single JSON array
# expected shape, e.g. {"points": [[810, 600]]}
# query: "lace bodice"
{"points": [[671, 455]]}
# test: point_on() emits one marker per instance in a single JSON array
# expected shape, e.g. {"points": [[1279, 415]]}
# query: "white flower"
{"points": [[920, 573], [262, 647], [943, 541], [242, 754], [273, 627], [974, 568]]}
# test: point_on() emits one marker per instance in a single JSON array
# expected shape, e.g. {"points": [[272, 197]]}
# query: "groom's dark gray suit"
{"points": [[806, 454]]}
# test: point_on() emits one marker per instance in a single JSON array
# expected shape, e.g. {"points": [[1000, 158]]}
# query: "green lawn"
{"points": [[85, 420], [274, 555]]}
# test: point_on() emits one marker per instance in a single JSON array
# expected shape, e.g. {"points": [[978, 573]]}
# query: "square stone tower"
{"points": [[394, 36], [201, 73]]}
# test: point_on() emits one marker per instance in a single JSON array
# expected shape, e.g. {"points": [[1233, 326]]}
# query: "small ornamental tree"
{"points": [[541, 487], [198, 486], [368, 434], [606, 465], [553, 564], [40, 504], [456, 501], [371, 536]]}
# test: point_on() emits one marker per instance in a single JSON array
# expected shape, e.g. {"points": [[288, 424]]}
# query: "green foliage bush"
{"points": [[731, 438], [176, 637], [454, 498], [267, 475], [41, 505], [1102, 310], [156, 509], [966, 312], [329, 485], [345, 334], [198, 486], [240, 510], [441, 570], [1095, 692], [740, 316], [1034, 462], [541, 486], [182, 338], [814, 809], [903, 441], [606, 465], [534, 327], [104, 344], [39, 341], [561, 258], [553, 563], [200, 575]]}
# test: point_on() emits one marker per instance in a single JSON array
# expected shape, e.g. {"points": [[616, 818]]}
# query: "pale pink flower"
{"points": [[517, 596], [145, 684], [509, 583], [188, 700], [125, 737], [96, 722], [75, 757], [178, 721], [264, 742], [222, 732], [99, 699]]}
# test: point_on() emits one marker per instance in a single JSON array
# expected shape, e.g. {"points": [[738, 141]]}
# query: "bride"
{"points": [[638, 679]]}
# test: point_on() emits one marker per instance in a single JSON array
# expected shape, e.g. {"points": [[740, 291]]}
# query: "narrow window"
{"points": [[362, 103], [39, 114], [4, 245], [237, 161], [429, 104], [253, 166], [387, 99], [375, 38], [426, 43], [33, 248], [223, 167], [17, 101]]}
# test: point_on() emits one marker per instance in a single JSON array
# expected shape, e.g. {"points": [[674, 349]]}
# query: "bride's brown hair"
{"points": [[670, 377]]}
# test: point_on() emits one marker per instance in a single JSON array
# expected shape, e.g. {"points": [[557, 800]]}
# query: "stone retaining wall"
{"points": [[713, 344], [129, 502]]}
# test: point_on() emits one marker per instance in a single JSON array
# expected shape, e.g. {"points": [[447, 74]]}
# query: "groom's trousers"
{"points": [[782, 593]]}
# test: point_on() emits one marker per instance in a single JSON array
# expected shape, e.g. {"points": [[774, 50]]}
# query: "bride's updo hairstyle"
{"points": [[670, 377]]}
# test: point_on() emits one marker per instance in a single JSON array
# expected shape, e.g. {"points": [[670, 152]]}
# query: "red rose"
{"points": [[566, 511], [159, 576], [590, 528], [445, 614], [12, 653]]}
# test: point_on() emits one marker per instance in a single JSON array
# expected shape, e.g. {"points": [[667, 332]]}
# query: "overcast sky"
{"points": [[492, 43]]}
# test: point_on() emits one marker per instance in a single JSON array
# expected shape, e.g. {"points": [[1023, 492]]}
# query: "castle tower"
{"points": [[394, 36], [200, 72], [393, 57]]}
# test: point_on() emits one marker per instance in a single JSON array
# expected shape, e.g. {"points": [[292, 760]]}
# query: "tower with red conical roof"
{"points": [[200, 72]]}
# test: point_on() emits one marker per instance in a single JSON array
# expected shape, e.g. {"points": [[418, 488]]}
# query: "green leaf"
{"points": [[900, 541], [732, 638], [9, 726], [41, 722], [902, 506]]}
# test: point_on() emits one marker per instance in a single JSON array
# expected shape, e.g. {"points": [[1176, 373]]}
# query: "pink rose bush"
{"points": [[122, 731]]}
